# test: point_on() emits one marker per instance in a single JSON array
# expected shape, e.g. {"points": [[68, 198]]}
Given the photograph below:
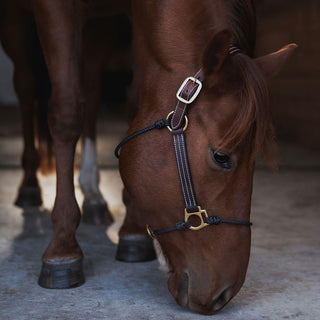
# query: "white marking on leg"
{"points": [[89, 174], [113, 231]]}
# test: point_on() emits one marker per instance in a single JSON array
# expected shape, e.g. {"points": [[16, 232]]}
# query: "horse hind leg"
{"points": [[29, 193], [94, 208], [16, 38]]}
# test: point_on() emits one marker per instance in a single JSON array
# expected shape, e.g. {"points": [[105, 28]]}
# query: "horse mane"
{"points": [[253, 123]]}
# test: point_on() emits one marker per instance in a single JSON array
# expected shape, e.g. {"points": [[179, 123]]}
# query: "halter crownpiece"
{"points": [[177, 123]]}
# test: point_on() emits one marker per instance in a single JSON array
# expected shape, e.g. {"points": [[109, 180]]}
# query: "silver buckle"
{"points": [[198, 82]]}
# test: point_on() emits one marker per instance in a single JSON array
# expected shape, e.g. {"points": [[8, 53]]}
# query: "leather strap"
{"points": [[186, 92], [181, 108], [180, 150]]}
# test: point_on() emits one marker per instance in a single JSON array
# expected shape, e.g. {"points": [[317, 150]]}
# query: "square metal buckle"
{"points": [[191, 99]]}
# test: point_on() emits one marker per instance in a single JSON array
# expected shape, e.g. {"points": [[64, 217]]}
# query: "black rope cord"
{"points": [[212, 220], [159, 124]]}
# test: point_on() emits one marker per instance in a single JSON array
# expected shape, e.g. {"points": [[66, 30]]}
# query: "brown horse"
{"points": [[229, 124]]}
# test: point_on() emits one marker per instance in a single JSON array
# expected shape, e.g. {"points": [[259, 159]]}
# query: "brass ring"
{"points": [[150, 232], [185, 119]]}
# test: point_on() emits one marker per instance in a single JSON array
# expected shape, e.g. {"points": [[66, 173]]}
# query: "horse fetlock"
{"points": [[28, 197], [89, 173], [89, 182], [96, 212], [95, 209], [63, 245], [93, 197], [30, 160]]}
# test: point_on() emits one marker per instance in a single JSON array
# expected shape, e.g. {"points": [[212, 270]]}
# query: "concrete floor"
{"points": [[283, 279]]}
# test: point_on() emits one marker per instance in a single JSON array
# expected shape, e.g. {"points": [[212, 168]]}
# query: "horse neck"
{"points": [[170, 37]]}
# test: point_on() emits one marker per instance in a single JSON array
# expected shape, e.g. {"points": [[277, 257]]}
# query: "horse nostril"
{"points": [[183, 290], [224, 297]]}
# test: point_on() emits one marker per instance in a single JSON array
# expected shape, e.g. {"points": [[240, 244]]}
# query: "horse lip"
{"points": [[216, 305]]}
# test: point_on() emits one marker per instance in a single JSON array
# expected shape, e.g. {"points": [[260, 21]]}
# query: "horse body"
{"points": [[228, 124]]}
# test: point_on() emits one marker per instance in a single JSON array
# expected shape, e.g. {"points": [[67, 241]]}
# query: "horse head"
{"points": [[229, 123]]}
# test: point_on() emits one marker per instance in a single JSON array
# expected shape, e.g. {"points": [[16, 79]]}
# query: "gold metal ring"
{"points": [[185, 120], [150, 233]]}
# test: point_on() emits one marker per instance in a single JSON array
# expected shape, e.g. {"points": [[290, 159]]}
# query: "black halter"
{"points": [[177, 123]]}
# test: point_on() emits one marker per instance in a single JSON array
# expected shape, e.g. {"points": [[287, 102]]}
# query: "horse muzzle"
{"points": [[196, 298]]}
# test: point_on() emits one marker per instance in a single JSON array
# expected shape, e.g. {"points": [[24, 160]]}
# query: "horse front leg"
{"points": [[134, 243], [59, 28]]}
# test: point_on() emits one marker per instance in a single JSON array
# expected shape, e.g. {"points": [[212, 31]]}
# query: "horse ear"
{"points": [[216, 52], [272, 63]]}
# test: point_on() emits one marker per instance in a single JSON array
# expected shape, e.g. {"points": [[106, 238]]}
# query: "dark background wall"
{"points": [[296, 90]]}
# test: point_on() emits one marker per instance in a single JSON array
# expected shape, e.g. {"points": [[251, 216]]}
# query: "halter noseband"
{"points": [[177, 123]]}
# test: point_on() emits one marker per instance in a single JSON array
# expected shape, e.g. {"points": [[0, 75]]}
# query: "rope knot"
{"points": [[183, 225], [161, 123], [213, 220]]}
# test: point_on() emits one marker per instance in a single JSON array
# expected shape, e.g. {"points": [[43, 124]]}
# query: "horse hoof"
{"points": [[61, 274], [28, 197], [135, 248], [96, 214]]}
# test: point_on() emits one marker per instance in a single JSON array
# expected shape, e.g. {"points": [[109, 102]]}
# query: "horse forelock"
{"points": [[253, 122], [252, 125]]}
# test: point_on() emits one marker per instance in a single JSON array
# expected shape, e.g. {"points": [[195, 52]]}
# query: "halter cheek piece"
{"points": [[177, 123]]}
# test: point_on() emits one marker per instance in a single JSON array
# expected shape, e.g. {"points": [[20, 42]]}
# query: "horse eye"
{"points": [[222, 159]]}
